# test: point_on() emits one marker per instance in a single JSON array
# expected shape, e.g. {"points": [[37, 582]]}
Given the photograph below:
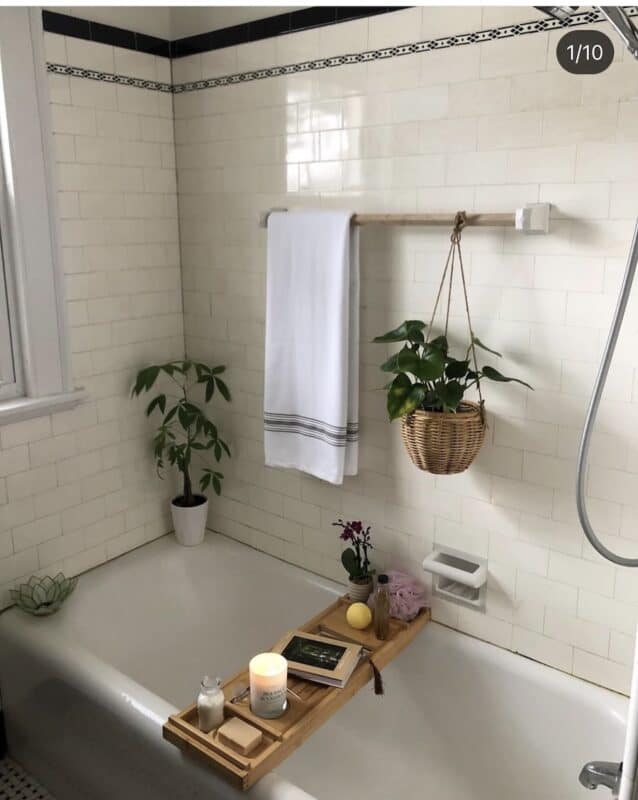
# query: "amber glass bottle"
{"points": [[382, 608]]}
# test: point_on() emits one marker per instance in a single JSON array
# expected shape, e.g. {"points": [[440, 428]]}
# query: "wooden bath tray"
{"points": [[311, 705]]}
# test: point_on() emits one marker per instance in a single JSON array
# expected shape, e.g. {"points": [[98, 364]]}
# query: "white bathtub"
{"points": [[86, 692]]}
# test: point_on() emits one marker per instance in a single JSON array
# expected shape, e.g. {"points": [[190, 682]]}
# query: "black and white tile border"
{"points": [[16, 784], [490, 34], [108, 77]]}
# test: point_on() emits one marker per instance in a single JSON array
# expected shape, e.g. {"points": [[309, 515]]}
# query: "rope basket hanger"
{"points": [[445, 442]]}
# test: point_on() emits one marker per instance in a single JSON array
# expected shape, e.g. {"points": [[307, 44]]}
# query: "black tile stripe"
{"points": [[280, 24], [459, 40], [65, 25], [292, 22]]}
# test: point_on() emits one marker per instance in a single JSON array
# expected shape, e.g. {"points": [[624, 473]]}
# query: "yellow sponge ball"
{"points": [[358, 616]]}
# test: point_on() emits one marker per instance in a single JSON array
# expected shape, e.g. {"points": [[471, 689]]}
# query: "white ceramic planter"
{"points": [[190, 523], [359, 592]]}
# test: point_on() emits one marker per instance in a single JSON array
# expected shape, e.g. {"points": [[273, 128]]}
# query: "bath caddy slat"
{"points": [[309, 707]]}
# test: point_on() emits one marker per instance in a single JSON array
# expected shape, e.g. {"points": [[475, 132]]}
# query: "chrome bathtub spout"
{"points": [[601, 773]]}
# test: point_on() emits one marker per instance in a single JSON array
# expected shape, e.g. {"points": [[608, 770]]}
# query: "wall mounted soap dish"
{"points": [[458, 577]]}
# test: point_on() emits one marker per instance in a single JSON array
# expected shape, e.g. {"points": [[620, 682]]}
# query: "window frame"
{"points": [[28, 215], [10, 361]]}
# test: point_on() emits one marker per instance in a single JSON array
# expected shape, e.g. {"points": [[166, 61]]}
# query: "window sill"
{"points": [[28, 407]]}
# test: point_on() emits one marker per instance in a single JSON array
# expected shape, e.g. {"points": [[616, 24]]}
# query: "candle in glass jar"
{"points": [[268, 681]]}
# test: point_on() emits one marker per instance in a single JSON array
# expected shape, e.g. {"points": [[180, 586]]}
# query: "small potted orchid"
{"points": [[355, 558]]}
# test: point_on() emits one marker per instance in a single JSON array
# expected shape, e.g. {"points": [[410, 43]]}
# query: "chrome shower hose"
{"points": [[590, 419]]}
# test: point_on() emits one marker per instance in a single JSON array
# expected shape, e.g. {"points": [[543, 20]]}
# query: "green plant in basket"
{"points": [[427, 376]]}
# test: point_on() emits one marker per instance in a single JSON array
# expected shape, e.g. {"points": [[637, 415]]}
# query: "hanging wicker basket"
{"points": [[444, 443]]}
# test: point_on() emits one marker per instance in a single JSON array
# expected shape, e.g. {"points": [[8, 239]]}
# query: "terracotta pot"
{"points": [[190, 522], [359, 591]]}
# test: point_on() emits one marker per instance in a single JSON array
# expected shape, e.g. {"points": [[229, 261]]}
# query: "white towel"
{"points": [[311, 395]]}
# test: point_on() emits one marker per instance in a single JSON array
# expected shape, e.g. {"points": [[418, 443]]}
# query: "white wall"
{"points": [[78, 488], [482, 127]]}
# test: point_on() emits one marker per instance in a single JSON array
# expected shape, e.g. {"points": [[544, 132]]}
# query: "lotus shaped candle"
{"points": [[43, 596]]}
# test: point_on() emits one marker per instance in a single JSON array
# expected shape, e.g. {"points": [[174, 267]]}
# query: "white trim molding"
{"points": [[29, 224], [23, 408]]}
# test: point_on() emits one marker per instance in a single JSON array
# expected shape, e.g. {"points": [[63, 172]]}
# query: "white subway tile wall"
{"points": [[78, 488], [483, 127]]}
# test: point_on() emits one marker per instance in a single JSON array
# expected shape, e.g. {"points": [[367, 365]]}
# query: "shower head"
{"points": [[624, 27], [615, 15]]}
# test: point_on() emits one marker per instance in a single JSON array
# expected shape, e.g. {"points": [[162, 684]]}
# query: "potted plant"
{"points": [[355, 559], [442, 431], [184, 432]]}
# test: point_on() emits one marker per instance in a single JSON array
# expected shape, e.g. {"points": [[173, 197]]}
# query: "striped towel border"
{"points": [[312, 428]]}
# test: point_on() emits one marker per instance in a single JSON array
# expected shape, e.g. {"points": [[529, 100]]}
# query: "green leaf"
{"points": [[391, 364], [404, 396], [218, 451], [480, 344], [217, 485], [210, 389], [495, 375], [408, 360], [151, 374], [218, 370], [456, 369], [225, 447], [145, 380], [156, 402], [204, 481], [411, 330], [351, 563], [397, 394], [185, 419], [171, 413], [441, 343], [431, 364], [450, 394], [223, 389]]}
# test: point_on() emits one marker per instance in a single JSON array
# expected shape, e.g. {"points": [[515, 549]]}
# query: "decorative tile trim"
{"points": [[108, 77], [490, 34], [460, 40]]}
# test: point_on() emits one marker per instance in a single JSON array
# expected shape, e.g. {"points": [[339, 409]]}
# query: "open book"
{"points": [[319, 658]]}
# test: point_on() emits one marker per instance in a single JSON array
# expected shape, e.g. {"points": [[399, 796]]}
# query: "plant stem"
{"points": [[188, 488]]}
